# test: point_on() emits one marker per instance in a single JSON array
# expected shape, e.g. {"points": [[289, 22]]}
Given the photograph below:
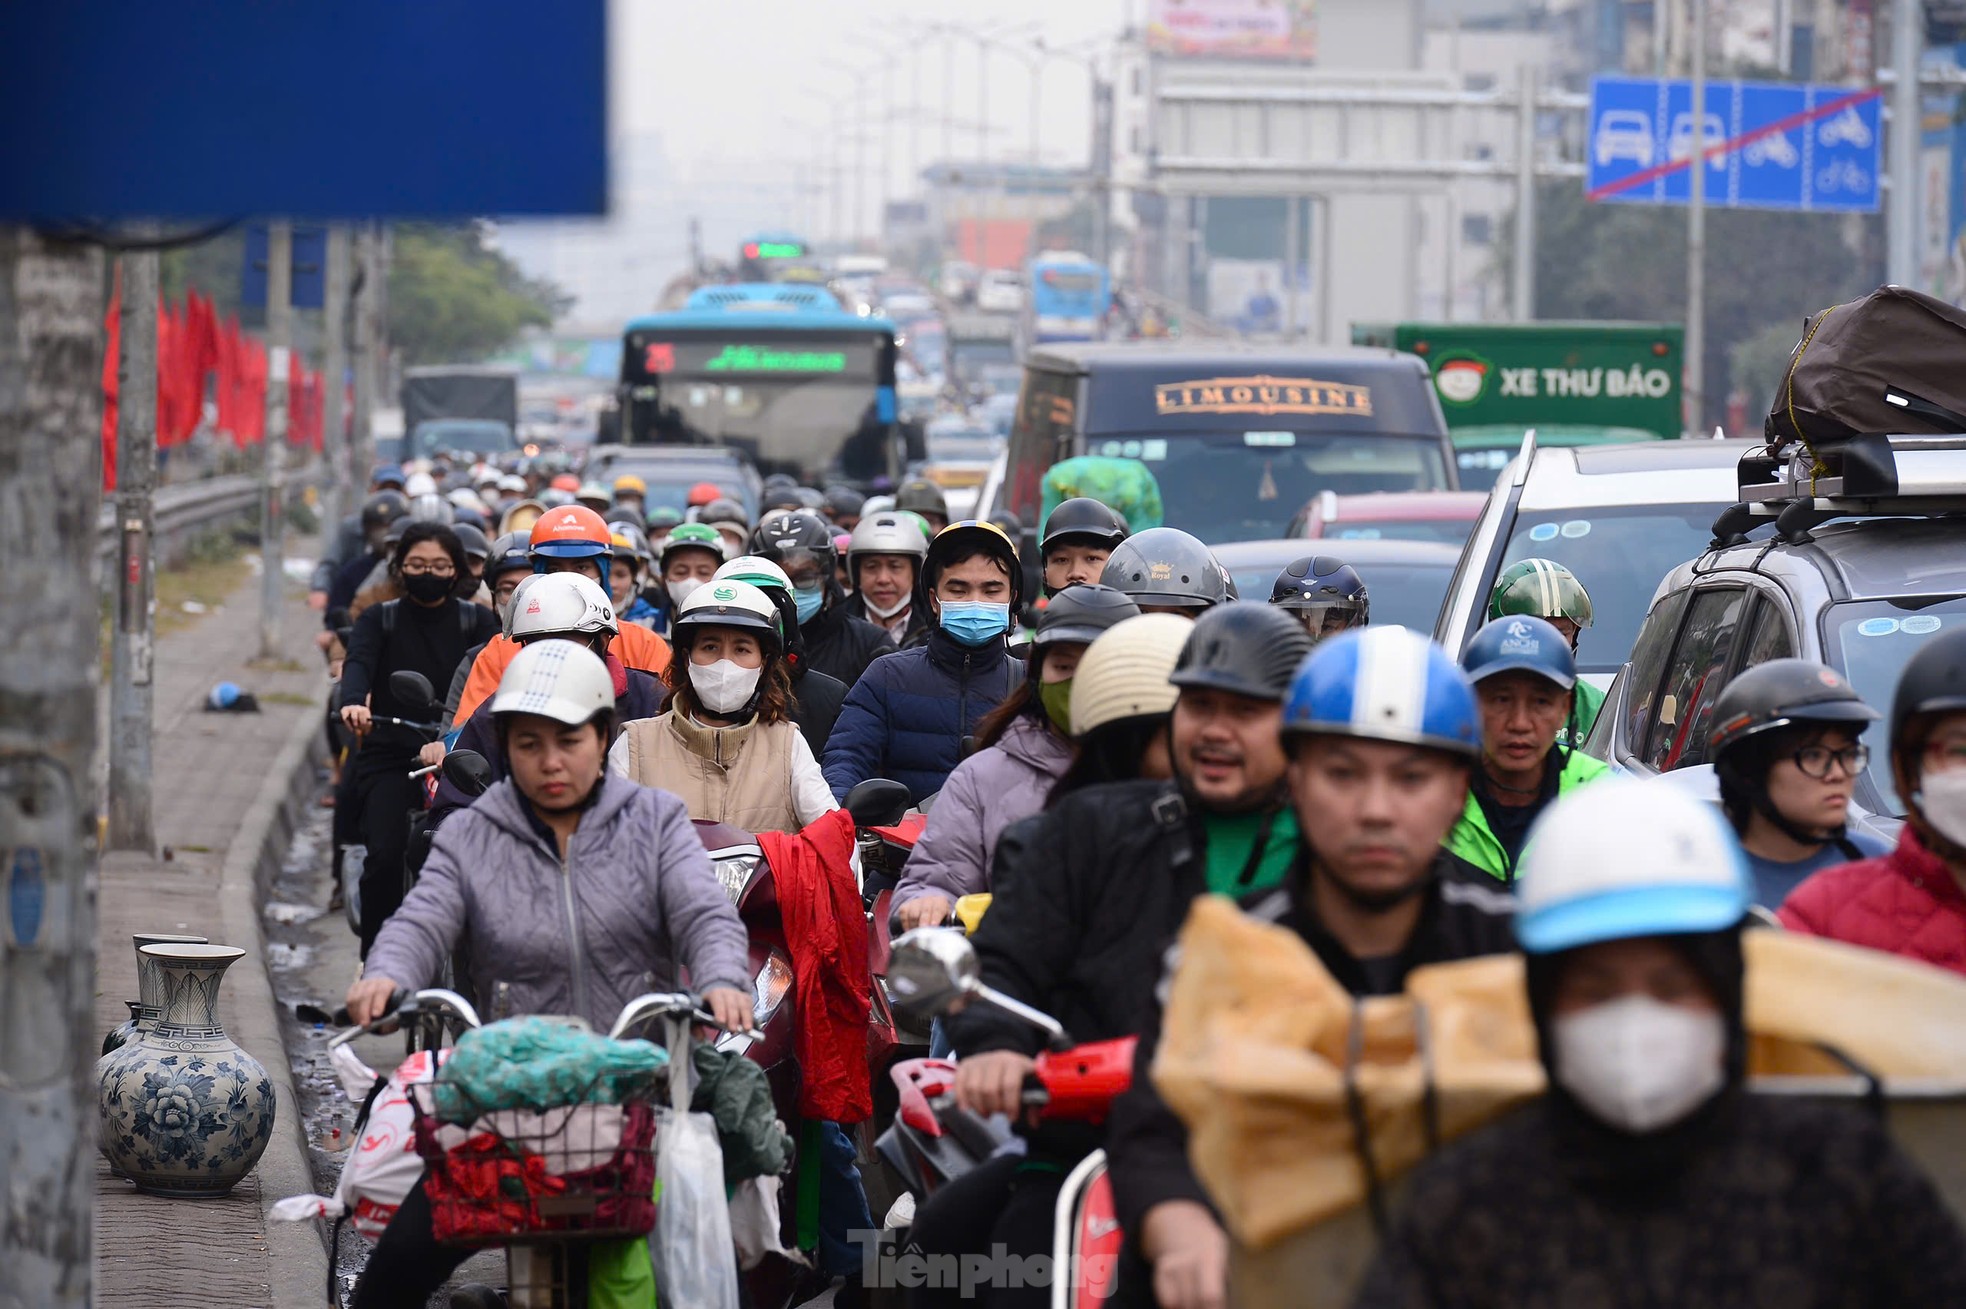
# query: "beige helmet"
{"points": [[1124, 673]]}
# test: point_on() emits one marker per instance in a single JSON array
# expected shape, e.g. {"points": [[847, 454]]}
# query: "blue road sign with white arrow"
{"points": [[1766, 145]]}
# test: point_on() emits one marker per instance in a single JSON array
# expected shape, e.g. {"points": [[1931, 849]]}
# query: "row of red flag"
{"points": [[194, 348]]}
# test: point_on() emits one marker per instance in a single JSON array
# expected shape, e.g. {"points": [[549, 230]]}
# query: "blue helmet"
{"points": [[1519, 643], [387, 475], [1384, 684]]}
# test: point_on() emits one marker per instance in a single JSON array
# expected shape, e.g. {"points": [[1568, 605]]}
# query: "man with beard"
{"points": [[1381, 731]]}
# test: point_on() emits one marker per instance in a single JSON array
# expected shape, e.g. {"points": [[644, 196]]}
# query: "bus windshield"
{"points": [[1245, 486]]}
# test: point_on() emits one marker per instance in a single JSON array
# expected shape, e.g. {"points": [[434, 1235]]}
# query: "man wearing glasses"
{"points": [[1783, 743]]}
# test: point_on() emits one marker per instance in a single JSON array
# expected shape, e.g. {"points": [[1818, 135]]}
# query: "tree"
{"points": [[451, 300], [1764, 271]]}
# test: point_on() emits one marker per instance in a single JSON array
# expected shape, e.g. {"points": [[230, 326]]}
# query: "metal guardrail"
{"points": [[181, 508]]}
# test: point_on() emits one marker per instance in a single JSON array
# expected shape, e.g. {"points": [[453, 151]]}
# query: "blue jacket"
{"points": [[907, 716]]}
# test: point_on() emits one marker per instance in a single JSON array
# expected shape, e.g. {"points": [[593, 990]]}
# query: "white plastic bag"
{"points": [[695, 1262], [382, 1163], [754, 1223]]}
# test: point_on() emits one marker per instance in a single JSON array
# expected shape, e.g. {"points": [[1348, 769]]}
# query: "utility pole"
{"points": [[334, 368], [131, 650], [363, 348], [1523, 293], [1907, 129], [1696, 234], [1102, 168], [279, 342], [51, 460], [982, 101]]}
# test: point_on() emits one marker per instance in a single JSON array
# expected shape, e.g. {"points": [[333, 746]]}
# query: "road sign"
{"points": [[310, 260], [1767, 145]]}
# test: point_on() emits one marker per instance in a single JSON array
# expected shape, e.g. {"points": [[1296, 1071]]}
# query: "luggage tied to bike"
{"points": [[382, 1163], [1301, 1101], [1893, 362]]}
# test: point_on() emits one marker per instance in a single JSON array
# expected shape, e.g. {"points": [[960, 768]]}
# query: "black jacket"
{"points": [[840, 645], [1780, 1201], [1465, 915], [816, 701]]}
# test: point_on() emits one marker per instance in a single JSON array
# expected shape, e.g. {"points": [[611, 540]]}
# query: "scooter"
{"points": [[932, 1142]]}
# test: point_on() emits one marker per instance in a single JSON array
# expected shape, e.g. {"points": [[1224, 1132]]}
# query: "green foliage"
{"points": [[453, 301], [212, 267], [1766, 272], [1760, 362]]}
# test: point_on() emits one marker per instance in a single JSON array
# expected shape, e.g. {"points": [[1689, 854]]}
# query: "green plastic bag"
{"points": [[620, 1275], [1126, 486]]}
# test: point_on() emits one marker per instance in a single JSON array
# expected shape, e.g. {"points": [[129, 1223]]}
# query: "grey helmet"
{"points": [[891, 533], [1166, 567]]}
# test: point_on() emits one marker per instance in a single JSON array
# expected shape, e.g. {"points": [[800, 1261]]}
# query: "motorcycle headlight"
{"points": [[734, 873], [768, 991]]}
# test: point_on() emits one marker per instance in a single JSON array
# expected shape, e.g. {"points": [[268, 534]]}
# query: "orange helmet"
{"points": [[704, 492], [565, 482], [571, 532]]}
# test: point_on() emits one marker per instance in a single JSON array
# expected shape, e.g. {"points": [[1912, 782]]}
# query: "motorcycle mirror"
{"points": [[877, 802], [468, 771], [932, 971], [413, 691]]}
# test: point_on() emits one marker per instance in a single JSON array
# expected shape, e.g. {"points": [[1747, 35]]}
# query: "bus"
{"points": [[776, 371], [1067, 300], [768, 256]]}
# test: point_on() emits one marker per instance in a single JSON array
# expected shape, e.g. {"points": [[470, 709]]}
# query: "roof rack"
{"points": [[1868, 476]]}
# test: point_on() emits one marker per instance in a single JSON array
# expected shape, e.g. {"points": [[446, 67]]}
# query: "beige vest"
{"points": [[738, 775]]}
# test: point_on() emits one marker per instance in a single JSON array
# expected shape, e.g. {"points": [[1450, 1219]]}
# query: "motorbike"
{"points": [[933, 1141]]}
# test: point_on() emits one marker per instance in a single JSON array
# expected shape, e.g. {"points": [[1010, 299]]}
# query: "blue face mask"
{"points": [[808, 602], [975, 622]]}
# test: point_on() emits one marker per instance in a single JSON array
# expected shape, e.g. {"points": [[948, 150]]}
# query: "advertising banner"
{"points": [[1234, 29]]}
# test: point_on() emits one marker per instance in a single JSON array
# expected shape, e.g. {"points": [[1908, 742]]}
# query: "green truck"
{"points": [[1575, 383]]}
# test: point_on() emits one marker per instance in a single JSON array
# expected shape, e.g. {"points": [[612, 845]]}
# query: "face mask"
{"points": [[1941, 799], [808, 603], [427, 588], [886, 611], [1639, 1064], [975, 622], [723, 687], [681, 591], [1056, 697]]}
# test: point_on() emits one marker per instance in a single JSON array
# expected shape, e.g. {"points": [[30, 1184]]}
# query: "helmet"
{"points": [[884, 534], [512, 484], [781, 481], [1384, 684], [1623, 858], [475, 544], [1012, 525], [1779, 693], [465, 498], [1083, 613], [1520, 644], [627, 539], [565, 482], [782, 496], [1167, 566], [757, 570], [967, 534], [560, 604], [1124, 673], [923, 497], [690, 536], [1323, 588], [520, 516], [1082, 516], [1243, 647], [725, 510], [394, 532], [623, 514], [779, 538], [509, 553], [843, 501], [387, 475], [381, 507], [561, 680], [661, 518], [1933, 682], [430, 508], [876, 504], [703, 493], [417, 484], [571, 532], [729, 603], [630, 484], [594, 496], [810, 498], [1540, 588]]}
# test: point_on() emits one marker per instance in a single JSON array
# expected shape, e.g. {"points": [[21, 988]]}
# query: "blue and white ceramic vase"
{"points": [[184, 1110], [148, 1004]]}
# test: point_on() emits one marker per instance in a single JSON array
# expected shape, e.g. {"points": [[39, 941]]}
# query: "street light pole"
{"points": [[279, 343], [1907, 127], [130, 650], [1696, 234], [1523, 292]]}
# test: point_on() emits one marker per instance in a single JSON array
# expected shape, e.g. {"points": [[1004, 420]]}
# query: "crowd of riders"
{"points": [[1098, 735]]}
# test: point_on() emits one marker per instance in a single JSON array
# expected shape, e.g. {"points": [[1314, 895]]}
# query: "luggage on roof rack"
{"points": [[1892, 362]]}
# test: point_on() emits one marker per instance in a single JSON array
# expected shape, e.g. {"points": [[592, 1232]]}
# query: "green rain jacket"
{"points": [[1473, 840]]}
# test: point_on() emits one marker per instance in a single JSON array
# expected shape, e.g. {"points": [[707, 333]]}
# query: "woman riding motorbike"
{"points": [[576, 891], [727, 744]]}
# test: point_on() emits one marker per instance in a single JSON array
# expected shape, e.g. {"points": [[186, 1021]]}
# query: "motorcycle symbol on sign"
{"points": [[1775, 148], [1846, 128]]}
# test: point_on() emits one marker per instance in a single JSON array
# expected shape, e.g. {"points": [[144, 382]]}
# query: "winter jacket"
{"points": [[458, 679], [908, 717], [1906, 902], [348, 542], [1473, 840], [635, 646], [816, 701], [756, 776], [641, 697], [985, 794], [633, 898], [1783, 1202], [1584, 706], [840, 645]]}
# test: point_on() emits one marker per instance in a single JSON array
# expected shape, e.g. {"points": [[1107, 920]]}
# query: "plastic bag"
{"points": [[382, 1164], [539, 1063], [619, 1276], [754, 1223], [691, 1246]]}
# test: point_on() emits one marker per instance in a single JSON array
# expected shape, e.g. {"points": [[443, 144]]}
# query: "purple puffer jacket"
{"points": [[986, 793], [582, 937]]}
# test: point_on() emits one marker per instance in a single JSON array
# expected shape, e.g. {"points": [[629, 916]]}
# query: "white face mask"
{"points": [[723, 687], [888, 611], [1941, 799], [1639, 1064], [681, 591]]}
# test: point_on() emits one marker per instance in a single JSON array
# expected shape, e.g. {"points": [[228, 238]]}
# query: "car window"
{"points": [[1870, 641], [1694, 676], [1771, 639], [1649, 661]]}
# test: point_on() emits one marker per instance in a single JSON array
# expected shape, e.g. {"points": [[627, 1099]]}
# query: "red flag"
{"points": [[112, 326]]}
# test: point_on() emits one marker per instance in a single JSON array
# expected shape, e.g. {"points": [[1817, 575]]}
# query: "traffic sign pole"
{"points": [[1696, 232], [1523, 293], [1901, 220]]}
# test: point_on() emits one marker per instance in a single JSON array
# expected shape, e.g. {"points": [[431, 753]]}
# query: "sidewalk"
{"points": [[228, 790]]}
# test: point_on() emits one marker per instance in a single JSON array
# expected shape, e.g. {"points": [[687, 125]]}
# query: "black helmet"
{"points": [[1325, 592], [475, 543], [1082, 613], [394, 532], [783, 537], [1165, 566], [381, 507], [511, 553], [1933, 682], [811, 499], [922, 496], [1083, 516], [1777, 694], [1013, 526], [776, 480], [780, 496], [967, 536], [1243, 646], [723, 510], [623, 514], [844, 501]]}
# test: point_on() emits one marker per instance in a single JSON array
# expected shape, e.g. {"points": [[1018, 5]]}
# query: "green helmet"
{"points": [[1540, 588]]}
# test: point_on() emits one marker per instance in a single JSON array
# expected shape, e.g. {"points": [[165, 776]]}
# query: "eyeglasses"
{"points": [[417, 568], [1815, 760]]}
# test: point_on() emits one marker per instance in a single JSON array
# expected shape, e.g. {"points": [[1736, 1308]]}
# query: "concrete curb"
{"points": [[297, 1253]]}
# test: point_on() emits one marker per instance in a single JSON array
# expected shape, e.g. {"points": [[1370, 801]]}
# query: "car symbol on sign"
{"points": [[1624, 134], [1679, 141]]}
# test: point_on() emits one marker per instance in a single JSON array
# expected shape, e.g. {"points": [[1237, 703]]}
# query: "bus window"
{"points": [[1040, 435]]}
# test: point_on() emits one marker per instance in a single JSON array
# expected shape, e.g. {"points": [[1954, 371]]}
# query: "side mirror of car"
{"points": [[877, 802], [468, 771], [414, 692]]}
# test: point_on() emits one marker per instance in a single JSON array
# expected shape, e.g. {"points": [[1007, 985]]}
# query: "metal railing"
{"points": [[180, 509]]}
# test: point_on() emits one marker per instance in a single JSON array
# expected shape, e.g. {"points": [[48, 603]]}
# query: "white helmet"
{"points": [[465, 498], [755, 569], [1622, 858], [885, 534], [876, 504], [560, 680], [431, 508], [560, 604], [512, 484], [1124, 673], [728, 603], [421, 483]]}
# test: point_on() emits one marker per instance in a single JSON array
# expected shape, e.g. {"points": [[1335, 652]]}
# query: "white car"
{"points": [[1679, 141], [1624, 134], [1000, 292]]}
